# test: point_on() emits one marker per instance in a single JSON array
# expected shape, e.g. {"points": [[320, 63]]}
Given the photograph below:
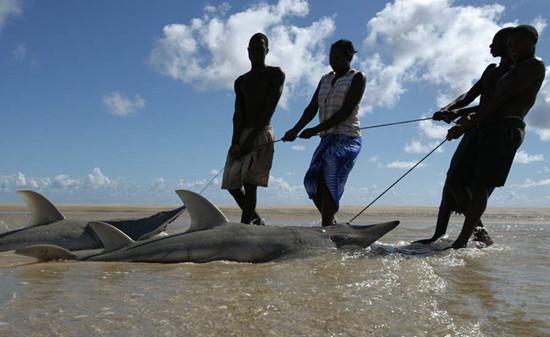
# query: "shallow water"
{"points": [[389, 289]]}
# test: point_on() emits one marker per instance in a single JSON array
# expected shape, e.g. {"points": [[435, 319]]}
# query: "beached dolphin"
{"points": [[49, 226], [212, 237]]}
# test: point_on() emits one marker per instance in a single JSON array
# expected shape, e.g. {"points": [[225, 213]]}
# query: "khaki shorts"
{"points": [[254, 167]]}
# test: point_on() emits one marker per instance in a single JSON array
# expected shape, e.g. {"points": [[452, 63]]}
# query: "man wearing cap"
{"points": [[337, 99], [500, 124]]}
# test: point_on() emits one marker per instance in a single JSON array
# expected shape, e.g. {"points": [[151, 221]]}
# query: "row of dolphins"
{"points": [[210, 236]]}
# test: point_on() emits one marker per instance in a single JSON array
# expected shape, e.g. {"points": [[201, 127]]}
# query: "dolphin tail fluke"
{"points": [[42, 210], [46, 253], [111, 237], [204, 215]]}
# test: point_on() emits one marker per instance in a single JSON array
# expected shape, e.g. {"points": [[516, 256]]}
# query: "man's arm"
{"points": [[448, 114], [309, 113], [238, 120], [352, 99]]}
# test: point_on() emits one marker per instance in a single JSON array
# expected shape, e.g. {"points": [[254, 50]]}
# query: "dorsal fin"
{"points": [[111, 237], [46, 252], [203, 213], [42, 210]]}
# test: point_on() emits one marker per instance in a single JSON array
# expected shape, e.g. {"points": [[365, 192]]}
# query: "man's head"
{"points": [[522, 41], [258, 49], [341, 54], [499, 46]]}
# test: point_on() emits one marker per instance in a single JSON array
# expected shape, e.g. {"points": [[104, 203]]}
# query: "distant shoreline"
{"points": [[280, 214]]}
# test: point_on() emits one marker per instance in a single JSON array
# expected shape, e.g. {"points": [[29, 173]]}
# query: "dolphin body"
{"points": [[212, 237], [49, 226]]}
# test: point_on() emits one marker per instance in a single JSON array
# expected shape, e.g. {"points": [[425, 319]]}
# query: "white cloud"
{"points": [[64, 182], [159, 185], [20, 180], [19, 53], [281, 185], [430, 130], [299, 147], [532, 183], [416, 146], [9, 8], [97, 179], [210, 52], [538, 118], [121, 105], [195, 185], [423, 41], [523, 157], [402, 165]]}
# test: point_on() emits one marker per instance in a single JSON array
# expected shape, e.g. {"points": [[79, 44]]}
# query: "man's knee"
{"points": [[235, 192]]}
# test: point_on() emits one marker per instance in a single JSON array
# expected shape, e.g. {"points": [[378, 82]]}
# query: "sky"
{"points": [[123, 102]]}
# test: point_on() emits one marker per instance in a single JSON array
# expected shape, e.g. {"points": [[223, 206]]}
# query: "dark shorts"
{"points": [[497, 146], [462, 167]]}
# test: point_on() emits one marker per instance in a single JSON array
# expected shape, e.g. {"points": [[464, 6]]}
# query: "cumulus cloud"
{"points": [[9, 8], [538, 118], [97, 179], [210, 51], [423, 40], [430, 130], [402, 165], [64, 182], [195, 185], [523, 157], [416, 146], [533, 183], [281, 185], [121, 105], [159, 185]]}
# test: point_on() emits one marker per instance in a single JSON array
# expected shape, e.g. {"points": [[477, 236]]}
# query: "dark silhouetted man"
{"points": [[257, 93]]}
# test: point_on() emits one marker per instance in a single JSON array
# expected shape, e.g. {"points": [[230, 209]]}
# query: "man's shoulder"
{"points": [[275, 69], [538, 61], [489, 68], [276, 72], [533, 65]]}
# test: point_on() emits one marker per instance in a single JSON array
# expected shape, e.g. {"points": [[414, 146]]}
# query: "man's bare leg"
{"points": [[328, 207], [443, 216], [240, 197], [475, 210]]}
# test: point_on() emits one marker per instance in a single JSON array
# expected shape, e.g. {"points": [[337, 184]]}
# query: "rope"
{"points": [[398, 180], [395, 123]]}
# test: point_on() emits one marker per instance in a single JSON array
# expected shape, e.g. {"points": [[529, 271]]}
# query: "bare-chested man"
{"points": [[500, 124], [251, 153], [456, 191]]}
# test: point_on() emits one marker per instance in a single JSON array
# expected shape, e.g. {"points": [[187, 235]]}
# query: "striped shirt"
{"points": [[330, 100]]}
